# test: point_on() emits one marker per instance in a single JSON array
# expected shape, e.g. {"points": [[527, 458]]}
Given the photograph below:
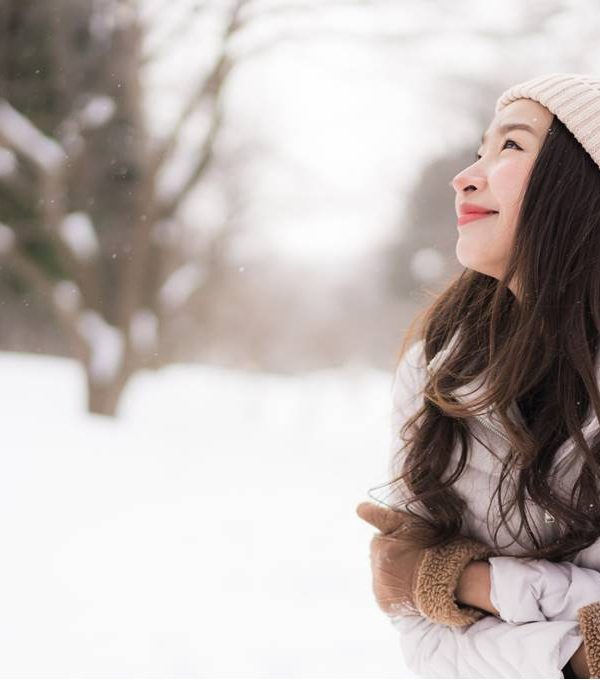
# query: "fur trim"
{"points": [[437, 578], [589, 622]]}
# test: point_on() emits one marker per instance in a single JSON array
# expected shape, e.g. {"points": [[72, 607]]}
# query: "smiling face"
{"points": [[497, 181]]}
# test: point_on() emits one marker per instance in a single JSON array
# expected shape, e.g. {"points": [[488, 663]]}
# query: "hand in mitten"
{"points": [[412, 580]]}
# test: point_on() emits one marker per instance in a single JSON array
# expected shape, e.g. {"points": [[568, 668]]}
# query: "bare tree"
{"points": [[86, 223], [86, 168]]}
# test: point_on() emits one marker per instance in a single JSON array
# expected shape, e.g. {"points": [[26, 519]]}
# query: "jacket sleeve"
{"points": [[536, 590], [407, 398], [533, 590], [539, 648], [488, 648]]}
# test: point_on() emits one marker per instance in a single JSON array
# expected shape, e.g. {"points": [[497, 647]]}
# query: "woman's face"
{"points": [[497, 181]]}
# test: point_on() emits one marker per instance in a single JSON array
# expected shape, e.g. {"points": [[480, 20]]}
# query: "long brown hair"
{"points": [[552, 327]]}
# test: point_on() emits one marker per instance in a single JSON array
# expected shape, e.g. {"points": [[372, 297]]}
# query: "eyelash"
{"points": [[477, 156]]}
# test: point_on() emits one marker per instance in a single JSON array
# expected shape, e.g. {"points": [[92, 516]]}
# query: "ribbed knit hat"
{"points": [[574, 98]]}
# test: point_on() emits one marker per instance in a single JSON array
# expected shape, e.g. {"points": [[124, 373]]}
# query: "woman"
{"points": [[488, 556]]}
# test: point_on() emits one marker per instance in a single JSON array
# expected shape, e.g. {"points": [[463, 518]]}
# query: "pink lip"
{"points": [[469, 217]]}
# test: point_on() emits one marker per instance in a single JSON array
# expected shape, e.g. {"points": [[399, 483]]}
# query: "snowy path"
{"points": [[210, 532]]}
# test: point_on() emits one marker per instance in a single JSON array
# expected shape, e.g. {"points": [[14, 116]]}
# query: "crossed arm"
{"points": [[531, 603], [474, 590]]}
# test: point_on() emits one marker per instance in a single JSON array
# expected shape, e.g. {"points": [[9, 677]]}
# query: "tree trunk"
{"points": [[103, 398]]}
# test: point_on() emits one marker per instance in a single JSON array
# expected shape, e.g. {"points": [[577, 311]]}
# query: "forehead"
{"points": [[526, 111]]}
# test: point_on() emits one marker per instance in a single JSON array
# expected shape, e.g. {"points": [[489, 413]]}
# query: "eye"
{"points": [[512, 141]]}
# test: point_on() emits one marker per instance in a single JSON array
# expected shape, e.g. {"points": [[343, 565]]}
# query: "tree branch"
{"points": [[209, 87], [183, 26], [26, 268], [168, 206], [49, 158]]}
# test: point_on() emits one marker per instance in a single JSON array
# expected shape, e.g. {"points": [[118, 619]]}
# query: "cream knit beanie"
{"points": [[574, 98]]}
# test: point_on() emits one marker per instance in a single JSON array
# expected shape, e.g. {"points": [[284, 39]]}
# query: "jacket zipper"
{"points": [[485, 422], [548, 518]]}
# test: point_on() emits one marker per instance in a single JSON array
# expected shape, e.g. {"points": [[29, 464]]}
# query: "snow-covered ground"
{"points": [[209, 531]]}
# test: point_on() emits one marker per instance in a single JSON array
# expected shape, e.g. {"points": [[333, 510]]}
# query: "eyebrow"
{"points": [[512, 126]]}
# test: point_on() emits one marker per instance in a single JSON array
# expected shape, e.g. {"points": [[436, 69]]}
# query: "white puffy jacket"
{"points": [[537, 632]]}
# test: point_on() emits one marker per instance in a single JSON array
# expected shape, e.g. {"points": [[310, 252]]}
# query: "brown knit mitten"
{"points": [[589, 624], [408, 579]]}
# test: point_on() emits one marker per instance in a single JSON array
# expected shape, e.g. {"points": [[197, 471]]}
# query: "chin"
{"points": [[478, 264], [469, 257]]}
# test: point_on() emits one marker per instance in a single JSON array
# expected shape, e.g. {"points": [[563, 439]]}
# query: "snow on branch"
{"points": [[106, 345], [8, 163], [180, 285], [98, 111], [7, 239], [17, 132], [67, 296], [77, 231], [143, 330], [95, 112]]}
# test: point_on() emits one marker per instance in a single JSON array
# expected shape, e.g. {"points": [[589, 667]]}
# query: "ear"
{"points": [[381, 518]]}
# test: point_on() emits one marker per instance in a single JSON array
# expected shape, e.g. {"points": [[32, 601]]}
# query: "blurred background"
{"points": [[217, 220]]}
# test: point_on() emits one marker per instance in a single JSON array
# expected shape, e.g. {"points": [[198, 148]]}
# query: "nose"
{"points": [[467, 178]]}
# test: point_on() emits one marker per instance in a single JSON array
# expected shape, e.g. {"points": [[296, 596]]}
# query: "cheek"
{"points": [[508, 183], [485, 246]]}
